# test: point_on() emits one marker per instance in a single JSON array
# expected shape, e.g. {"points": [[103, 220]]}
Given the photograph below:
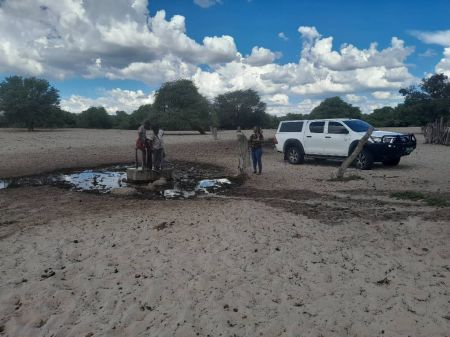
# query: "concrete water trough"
{"points": [[140, 175]]}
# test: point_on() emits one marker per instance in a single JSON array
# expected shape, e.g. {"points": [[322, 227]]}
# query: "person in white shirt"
{"points": [[157, 148]]}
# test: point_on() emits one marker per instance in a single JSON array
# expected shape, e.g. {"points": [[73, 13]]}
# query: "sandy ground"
{"points": [[288, 253]]}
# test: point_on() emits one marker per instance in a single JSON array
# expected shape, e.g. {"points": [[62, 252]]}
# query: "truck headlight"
{"points": [[376, 139]]}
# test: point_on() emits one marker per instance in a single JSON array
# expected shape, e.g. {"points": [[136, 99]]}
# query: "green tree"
{"points": [[292, 116], [179, 106], [121, 120], [385, 116], [143, 113], [28, 102], [426, 102], [335, 107], [242, 108], [95, 118]]}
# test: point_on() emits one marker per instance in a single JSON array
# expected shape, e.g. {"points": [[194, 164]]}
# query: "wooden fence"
{"points": [[437, 132]]}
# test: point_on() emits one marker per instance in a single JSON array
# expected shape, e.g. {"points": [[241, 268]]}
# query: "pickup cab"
{"points": [[337, 138]]}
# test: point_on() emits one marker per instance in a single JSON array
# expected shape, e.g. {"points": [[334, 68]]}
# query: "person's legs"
{"points": [[254, 159], [148, 154], [160, 156], [157, 157], [259, 160]]}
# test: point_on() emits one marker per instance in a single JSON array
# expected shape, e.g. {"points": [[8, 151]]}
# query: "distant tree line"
{"points": [[33, 102], [425, 103]]}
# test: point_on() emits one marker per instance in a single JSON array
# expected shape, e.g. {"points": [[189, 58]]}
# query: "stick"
{"points": [[347, 162]]}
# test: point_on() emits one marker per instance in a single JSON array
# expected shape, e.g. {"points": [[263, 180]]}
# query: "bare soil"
{"points": [[288, 253]]}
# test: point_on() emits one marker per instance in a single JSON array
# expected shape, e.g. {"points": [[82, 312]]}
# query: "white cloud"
{"points": [[261, 56], [207, 3], [64, 38], [283, 36], [444, 64], [278, 99], [386, 95], [440, 37], [428, 53], [352, 98], [93, 39], [112, 100], [321, 72], [308, 33], [307, 105]]}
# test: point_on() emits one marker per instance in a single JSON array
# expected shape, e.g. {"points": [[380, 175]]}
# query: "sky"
{"points": [[117, 53]]}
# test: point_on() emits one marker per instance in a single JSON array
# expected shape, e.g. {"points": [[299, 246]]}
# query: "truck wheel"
{"points": [[294, 155], [364, 161], [391, 162]]}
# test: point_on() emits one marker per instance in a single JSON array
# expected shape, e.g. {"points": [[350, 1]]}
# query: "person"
{"points": [[144, 145], [157, 148], [255, 143]]}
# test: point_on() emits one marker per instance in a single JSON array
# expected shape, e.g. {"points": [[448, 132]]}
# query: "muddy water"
{"points": [[189, 180]]}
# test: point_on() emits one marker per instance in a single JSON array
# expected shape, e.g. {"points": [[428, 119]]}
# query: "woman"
{"points": [[255, 142], [144, 145]]}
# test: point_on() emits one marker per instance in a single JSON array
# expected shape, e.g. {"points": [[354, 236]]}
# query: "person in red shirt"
{"points": [[144, 144]]}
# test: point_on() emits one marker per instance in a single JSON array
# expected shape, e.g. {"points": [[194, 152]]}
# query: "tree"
{"points": [[144, 112], [28, 102], [95, 118], [242, 108], [385, 116], [179, 106], [427, 102], [121, 120], [292, 116], [335, 107]]}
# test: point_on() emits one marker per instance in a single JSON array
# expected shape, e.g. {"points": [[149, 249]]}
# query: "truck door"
{"points": [[337, 139], [314, 138]]}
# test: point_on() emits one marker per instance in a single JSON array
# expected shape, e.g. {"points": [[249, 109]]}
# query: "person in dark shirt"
{"points": [[255, 143]]}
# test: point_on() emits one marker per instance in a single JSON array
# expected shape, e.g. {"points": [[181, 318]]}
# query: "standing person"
{"points": [[255, 142], [144, 144], [157, 148]]}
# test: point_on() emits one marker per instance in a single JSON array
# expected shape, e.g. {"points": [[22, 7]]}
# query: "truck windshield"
{"points": [[357, 125]]}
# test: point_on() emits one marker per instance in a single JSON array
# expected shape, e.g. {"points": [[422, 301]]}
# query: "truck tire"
{"points": [[391, 162], [294, 155], [364, 161]]}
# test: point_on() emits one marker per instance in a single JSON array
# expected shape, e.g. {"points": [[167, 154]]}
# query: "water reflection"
{"points": [[186, 183]]}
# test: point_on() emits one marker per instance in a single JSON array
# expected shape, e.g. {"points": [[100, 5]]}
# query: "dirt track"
{"points": [[288, 253]]}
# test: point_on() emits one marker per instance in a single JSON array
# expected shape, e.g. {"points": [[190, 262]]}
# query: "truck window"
{"points": [[357, 125], [291, 127], [336, 128], [316, 127]]}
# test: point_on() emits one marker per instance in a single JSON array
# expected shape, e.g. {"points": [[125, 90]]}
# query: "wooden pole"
{"points": [[347, 162], [244, 157]]}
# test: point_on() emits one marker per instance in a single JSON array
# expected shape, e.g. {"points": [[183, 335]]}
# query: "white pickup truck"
{"points": [[337, 138]]}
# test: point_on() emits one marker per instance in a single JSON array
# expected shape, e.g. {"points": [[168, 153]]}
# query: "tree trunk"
{"points": [[347, 162], [244, 157], [214, 132]]}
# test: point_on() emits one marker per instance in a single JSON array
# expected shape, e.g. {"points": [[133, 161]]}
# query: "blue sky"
{"points": [[295, 53]]}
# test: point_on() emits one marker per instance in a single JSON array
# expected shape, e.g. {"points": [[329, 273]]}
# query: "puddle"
{"points": [[189, 180]]}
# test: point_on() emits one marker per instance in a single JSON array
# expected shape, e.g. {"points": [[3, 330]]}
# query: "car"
{"points": [[337, 138]]}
